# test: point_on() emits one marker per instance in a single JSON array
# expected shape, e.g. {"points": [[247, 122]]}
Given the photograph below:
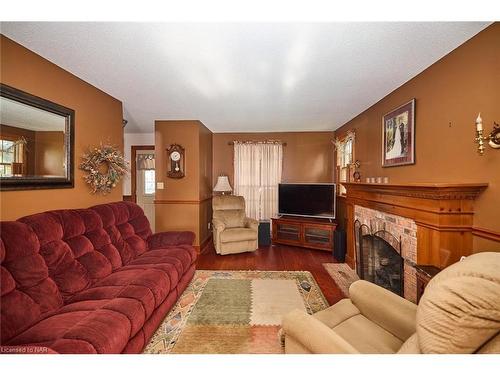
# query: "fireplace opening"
{"points": [[378, 257]]}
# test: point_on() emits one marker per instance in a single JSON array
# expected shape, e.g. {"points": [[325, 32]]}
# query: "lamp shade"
{"points": [[222, 184]]}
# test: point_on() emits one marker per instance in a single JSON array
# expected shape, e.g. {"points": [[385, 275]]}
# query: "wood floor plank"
{"points": [[276, 258]]}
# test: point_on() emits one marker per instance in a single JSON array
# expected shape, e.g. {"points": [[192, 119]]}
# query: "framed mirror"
{"points": [[36, 142]]}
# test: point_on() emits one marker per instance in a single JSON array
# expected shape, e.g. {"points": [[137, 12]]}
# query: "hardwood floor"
{"points": [[276, 258]]}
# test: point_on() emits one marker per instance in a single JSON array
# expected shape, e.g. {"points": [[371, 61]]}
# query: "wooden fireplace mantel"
{"points": [[443, 214]]}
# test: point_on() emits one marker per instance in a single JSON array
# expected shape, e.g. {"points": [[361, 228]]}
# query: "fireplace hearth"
{"points": [[378, 257]]}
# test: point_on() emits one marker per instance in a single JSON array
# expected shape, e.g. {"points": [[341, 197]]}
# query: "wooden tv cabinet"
{"points": [[304, 232]]}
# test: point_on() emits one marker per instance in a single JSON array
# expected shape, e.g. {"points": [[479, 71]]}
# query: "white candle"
{"points": [[479, 122]]}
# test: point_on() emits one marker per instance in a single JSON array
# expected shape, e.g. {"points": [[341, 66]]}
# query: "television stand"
{"points": [[313, 233]]}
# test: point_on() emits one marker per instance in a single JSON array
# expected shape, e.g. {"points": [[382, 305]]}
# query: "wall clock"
{"points": [[175, 163]]}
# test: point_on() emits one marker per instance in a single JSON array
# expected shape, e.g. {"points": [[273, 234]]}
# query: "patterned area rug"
{"points": [[236, 312], [342, 274]]}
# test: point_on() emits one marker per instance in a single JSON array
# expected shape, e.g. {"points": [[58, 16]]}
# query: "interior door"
{"points": [[146, 188]]}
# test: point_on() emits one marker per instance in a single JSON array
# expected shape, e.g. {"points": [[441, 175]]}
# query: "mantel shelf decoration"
{"points": [[105, 166]]}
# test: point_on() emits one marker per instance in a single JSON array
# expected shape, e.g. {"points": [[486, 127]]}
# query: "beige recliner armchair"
{"points": [[233, 231], [459, 312]]}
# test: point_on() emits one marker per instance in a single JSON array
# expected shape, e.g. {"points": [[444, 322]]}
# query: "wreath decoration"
{"points": [[105, 166]]}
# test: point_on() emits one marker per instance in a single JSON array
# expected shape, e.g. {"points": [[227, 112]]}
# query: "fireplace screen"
{"points": [[378, 257]]}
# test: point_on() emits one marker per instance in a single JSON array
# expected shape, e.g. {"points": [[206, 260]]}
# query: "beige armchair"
{"points": [[459, 312], [233, 231]]}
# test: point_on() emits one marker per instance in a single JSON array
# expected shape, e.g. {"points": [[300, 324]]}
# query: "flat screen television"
{"points": [[314, 200]]}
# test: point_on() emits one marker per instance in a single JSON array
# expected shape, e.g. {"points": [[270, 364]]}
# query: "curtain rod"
{"points": [[270, 141]]}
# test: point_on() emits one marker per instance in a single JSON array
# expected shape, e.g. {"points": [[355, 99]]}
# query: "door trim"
{"points": [[133, 167]]}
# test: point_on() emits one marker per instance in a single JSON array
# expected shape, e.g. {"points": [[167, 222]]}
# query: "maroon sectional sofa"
{"points": [[89, 280]]}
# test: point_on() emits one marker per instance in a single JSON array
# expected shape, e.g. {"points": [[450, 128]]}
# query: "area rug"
{"points": [[342, 274], [235, 312]]}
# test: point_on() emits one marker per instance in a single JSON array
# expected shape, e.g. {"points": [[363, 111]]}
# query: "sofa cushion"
{"points": [[75, 248], [458, 313], [27, 291], [101, 331], [148, 286], [228, 202], [129, 307], [367, 337], [139, 293], [338, 313], [231, 218], [238, 234], [173, 261], [183, 255], [345, 319], [127, 227], [155, 280], [230, 209]]}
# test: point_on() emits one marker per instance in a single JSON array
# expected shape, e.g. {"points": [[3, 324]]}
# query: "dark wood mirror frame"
{"points": [[34, 182]]}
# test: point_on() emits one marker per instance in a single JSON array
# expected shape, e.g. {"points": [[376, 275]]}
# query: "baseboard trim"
{"points": [[203, 245]]}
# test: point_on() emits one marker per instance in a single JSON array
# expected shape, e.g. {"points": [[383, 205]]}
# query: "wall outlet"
{"points": [[160, 186]]}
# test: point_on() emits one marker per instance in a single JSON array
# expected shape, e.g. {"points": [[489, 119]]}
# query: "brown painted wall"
{"points": [[98, 117], [449, 95], [205, 209], [49, 153], [182, 205], [307, 157], [184, 133]]}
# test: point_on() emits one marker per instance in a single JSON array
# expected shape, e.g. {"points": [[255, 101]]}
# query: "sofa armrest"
{"points": [[218, 225], [314, 335], [251, 223], [163, 239], [386, 309]]}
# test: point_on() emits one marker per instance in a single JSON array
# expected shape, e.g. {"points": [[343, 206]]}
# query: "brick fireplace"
{"points": [[405, 231], [432, 221]]}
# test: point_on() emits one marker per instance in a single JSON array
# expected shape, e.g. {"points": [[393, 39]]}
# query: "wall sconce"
{"points": [[493, 139]]}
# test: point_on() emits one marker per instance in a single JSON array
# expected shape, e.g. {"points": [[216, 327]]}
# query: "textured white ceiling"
{"points": [[244, 77]]}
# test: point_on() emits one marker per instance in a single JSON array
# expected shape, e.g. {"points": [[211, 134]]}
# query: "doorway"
{"points": [[143, 180]]}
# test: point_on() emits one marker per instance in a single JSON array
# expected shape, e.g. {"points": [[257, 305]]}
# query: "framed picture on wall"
{"points": [[398, 136]]}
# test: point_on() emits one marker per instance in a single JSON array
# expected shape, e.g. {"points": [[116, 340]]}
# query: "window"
{"points": [[149, 182], [145, 166], [6, 157], [345, 160], [257, 173]]}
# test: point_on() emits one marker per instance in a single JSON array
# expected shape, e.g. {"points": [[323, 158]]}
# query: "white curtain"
{"points": [[257, 173], [247, 176], [145, 161], [270, 177]]}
